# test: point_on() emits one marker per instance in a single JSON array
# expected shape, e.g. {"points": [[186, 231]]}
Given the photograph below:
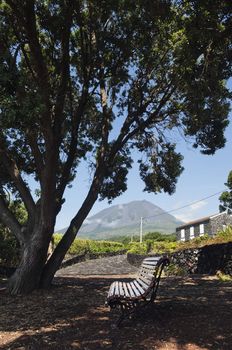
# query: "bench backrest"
{"points": [[150, 271]]}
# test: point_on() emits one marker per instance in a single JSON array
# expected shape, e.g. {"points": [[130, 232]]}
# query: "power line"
{"points": [[184, 206]]}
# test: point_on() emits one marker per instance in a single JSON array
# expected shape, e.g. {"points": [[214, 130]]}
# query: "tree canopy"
{"points": [[94, 81], [226, 196]]}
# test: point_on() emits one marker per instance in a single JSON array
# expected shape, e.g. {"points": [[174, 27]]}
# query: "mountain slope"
{"points": [[124, 219]]}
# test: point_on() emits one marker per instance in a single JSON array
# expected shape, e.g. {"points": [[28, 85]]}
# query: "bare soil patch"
{"points": [[190, 314]]}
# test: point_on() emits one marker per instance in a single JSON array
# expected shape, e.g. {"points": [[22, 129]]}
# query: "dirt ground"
{"points": [[189, 314]]}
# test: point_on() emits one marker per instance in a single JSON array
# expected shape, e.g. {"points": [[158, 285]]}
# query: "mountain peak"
{"points": [[124, 219]]}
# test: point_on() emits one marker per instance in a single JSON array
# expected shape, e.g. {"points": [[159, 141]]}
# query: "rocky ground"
{"points": [[191, 313]]}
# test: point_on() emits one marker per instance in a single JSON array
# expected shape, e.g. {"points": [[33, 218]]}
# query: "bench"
{"points": [[129, 296]]}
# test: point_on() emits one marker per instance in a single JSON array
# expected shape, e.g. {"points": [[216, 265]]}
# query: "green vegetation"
{"points": [[175, 270], [224, 236], [154, 243], [226, 196], [9, 248], [137, 248], [161, 244], [85, 246], [159, 237], [164, 247], [223, 277], [69, 71], [9, 245]]}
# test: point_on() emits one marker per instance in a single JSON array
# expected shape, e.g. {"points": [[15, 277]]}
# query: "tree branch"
{"points": [[73, 145], [9, 220], [65, 73], [15, 175], [125, 135], [38, 156]]}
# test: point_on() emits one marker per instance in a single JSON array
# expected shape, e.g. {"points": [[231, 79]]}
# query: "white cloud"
{"points": [[199, 205], [193, 212], [111, 224]]}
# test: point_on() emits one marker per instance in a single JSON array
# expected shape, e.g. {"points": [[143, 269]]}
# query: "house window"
{"points": [[182, 234], [191, 232], [202, 229]]}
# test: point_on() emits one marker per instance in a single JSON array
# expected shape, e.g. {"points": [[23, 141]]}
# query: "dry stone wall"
{"points": [[205, 260]]}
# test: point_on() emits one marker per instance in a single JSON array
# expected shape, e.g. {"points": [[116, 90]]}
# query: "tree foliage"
{"points": [[98, 81], [226, 196], [9, 246]]}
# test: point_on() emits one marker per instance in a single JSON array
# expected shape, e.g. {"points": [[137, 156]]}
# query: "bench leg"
{"points": [[127, 310]]}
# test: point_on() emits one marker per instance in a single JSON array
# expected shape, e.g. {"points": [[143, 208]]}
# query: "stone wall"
{"points": [[136, 259], [219, 221], [89, 256], [205, 260]]}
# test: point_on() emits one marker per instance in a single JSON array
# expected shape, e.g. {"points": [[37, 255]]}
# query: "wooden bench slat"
{"points": [[142, 291], [121, 291], [150, 263], [116, 288], [132, 294], [111, 291], [144, 285], [149, 278], [149, 267], [145, 280], [152, 259], [136, 289], [147, 271], [127, 294], [148, 274]]}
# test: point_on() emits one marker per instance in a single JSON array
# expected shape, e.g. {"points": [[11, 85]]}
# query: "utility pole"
{"points": [[141, 229]]}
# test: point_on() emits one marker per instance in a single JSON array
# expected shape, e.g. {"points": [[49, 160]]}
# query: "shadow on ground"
{"points": [[190, 313]]}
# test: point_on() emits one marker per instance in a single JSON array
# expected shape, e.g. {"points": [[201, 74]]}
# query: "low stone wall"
{"points": [[89, 256], [136, 259], [205, 260], [8, 271]]}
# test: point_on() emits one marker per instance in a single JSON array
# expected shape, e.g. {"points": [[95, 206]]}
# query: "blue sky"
{"points": [[203, 176]]}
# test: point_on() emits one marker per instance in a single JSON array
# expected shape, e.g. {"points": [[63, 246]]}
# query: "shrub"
{"points": [[196, 242], [225, 234], [105, 246], [84, 246], [137, 248], [9, 245], [79, 247], [149, 244], [160, 237], [9, 249], [57, 237], [223, 277], [164, 247], [175, 270]]}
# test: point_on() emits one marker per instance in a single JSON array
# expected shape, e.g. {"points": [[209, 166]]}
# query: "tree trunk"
{"points": [[58, 255], [27, 276]]}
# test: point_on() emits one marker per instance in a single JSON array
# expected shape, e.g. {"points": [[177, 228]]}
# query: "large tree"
{"points": [[99, 80]]}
